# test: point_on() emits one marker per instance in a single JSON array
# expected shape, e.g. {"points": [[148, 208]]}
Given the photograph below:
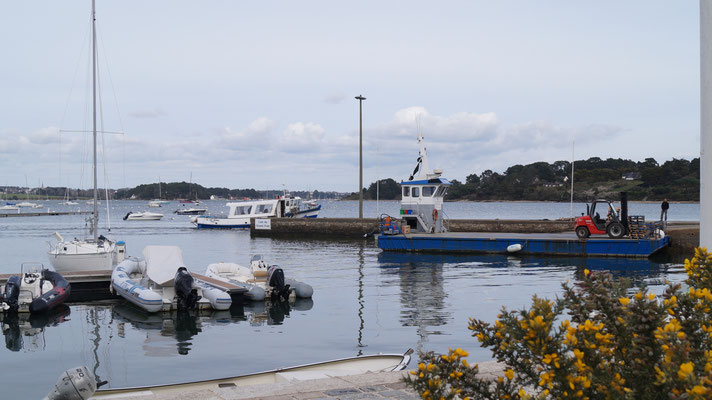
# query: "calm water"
{"points": [[365, 301]]}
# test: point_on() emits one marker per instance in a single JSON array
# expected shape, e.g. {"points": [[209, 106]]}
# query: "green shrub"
{"points": [[598, 341]]}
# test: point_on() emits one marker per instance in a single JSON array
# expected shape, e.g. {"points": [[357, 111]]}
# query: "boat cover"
{"points": [[162, 262]]}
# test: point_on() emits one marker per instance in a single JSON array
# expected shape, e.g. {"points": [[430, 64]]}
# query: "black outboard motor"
{"points": [[127, 215], [275, 278], [12, 293], [186, 296]]}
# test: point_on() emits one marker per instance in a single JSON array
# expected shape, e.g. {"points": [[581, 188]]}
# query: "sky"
{"points": [[260, 95]]}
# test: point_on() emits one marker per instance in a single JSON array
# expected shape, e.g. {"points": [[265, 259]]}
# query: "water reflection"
{"points": [[422, 291], [624, 267], [172, 333], [24, 330]]}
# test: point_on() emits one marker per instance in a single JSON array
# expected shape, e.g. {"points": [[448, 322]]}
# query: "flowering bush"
{"points": [[596, 342]]}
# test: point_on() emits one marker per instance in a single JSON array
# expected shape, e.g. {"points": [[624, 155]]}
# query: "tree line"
{"points": [[677, 179]]}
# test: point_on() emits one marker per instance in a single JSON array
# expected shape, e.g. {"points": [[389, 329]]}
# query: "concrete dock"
{"points": [[383, 385], [41, 213]]}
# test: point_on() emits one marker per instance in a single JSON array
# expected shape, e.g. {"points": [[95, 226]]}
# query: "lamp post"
{"points": [[360, 155]]}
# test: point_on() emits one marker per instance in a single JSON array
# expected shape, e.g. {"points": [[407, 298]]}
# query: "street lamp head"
{"points": [[359, 97]]}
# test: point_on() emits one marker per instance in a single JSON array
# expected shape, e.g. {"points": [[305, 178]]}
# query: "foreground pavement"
{"points": [[383, 385]]}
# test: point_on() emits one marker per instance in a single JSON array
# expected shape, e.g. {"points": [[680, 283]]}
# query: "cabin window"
{"points": [[441, 191], [406, 191], [428, 191], [264, 209], [244, 210], [416, 192]]}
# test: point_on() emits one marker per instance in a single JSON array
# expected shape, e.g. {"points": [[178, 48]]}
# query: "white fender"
{"points": [[513, 248]]}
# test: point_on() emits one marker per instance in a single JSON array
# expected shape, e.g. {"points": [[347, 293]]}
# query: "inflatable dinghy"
{"points": [[161, 282], [261, 280]]}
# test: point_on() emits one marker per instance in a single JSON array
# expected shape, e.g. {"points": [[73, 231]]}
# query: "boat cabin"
{"points": [[283, 207], [422, 197]]}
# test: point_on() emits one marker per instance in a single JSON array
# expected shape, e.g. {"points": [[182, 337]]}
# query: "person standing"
{"points": [[663, 210]]}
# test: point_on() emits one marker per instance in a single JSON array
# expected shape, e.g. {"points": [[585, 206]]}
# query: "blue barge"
{"points": [[559, 244]]}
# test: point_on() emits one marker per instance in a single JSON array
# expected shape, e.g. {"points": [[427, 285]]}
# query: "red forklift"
{"points": [[615, 223]]}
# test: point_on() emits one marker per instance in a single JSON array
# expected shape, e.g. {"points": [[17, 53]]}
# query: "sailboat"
{"points": [[66, 201], [97, 253], [159, 201]]}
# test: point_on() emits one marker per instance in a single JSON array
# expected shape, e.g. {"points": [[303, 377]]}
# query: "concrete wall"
{"points": [[355, 228]]}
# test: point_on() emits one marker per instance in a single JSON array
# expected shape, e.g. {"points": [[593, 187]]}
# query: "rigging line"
{"points": [[116, 103], [69, 97], [103, 151]]}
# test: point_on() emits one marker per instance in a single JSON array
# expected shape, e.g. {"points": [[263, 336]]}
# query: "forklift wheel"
{"points": [[582, 232], [615, 230]]}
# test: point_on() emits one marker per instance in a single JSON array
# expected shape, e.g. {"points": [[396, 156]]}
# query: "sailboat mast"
{"points": [[95, 222]]}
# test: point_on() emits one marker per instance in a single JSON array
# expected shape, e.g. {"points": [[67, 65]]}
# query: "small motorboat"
{"points": [[191, 211], [146, 216], [262, 281], [36, 290], [79, 381], [161, 282]]}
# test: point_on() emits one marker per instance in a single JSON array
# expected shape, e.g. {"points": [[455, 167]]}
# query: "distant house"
{"points": [[631, 176]]}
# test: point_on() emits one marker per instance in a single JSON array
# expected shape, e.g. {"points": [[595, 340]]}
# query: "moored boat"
{"points": [[261, 280], [146, 215], [96, 252], [35, 290], [191, 211], [80, 379], [241, 212], [161, 282]]}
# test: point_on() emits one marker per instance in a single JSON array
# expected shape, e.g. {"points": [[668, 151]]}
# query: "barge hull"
{"points": [[564, 244]]}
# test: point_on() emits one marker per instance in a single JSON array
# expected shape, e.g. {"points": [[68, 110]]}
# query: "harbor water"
{"points": [[365, 301]]}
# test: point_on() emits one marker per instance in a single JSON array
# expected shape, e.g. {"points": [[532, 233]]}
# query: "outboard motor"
{"points": [[275, 278], [11, 294], [75, 384], [186, 295], [127, 215]]}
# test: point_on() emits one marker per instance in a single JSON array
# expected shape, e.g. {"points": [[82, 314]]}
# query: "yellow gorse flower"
{"points": [[685, 370]]}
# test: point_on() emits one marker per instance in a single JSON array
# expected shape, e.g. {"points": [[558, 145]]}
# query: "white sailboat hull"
{"points": [[81, 255]]}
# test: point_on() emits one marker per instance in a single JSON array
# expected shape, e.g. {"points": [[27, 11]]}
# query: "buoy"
{"points": [[661, 234], [513, 248]]}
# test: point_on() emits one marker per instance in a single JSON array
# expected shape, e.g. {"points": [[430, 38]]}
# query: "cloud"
{"points": [[155, 113], [268, 153], [256, 135], [302, 137], [334, 98]]}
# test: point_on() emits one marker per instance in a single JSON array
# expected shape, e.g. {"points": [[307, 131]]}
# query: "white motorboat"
{"points": [[96, 253], [28, 204], [146, 216], [241, 212], [191, 211], [262, 281], [158, 203], [161, 282], [80, 381], [35, 290]]}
